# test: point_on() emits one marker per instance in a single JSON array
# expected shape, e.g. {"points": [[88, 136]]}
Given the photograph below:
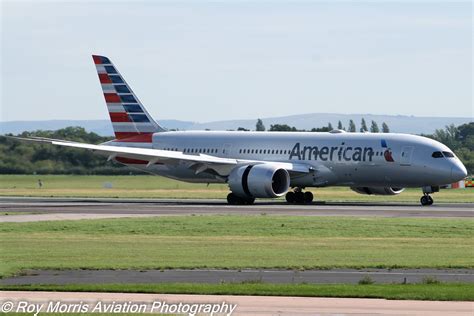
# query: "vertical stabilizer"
{"points": [[129, 117]]}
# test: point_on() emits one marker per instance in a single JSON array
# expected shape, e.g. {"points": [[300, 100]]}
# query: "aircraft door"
{"points": [[405, 155]]}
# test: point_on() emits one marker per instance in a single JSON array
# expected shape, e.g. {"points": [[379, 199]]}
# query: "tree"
{"points": [[320, 129], [330, 126], [339, 125], [461, 140], [242, 129], [363, 126], [282, 128], [385, 128], [352, 126], [448, 136], [259, 126], [466, 135], [374, 128]]}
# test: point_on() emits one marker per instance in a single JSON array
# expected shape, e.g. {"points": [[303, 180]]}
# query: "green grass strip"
{"points": [[237, 242]]}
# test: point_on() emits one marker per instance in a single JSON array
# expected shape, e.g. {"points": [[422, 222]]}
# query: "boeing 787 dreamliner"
{"points": [[269, 164]]}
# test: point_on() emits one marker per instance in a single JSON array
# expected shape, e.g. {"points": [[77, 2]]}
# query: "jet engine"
{"points": [[259, 181], [378, 190]]}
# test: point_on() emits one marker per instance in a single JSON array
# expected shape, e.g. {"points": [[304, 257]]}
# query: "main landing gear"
{"points": [[426, 199], [233, 199], [297, 196]]}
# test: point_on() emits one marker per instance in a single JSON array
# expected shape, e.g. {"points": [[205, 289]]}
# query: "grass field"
{"points": [[237, 242], [159, 187], [439, 292]]}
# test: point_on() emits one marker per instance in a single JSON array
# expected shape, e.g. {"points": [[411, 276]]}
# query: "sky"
{"points": [[207, 61]]}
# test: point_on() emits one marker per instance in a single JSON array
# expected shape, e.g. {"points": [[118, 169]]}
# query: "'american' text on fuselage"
{"points": [[325, 153]]}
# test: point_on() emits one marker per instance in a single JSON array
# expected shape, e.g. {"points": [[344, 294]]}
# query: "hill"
{"points": [[397, 123]]}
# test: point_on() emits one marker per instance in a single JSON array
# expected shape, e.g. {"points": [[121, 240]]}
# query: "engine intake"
{"points": [[259, 181], [378, 190]]}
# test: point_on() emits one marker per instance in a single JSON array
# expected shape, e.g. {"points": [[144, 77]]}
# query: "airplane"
{"points": [[268, 164]]}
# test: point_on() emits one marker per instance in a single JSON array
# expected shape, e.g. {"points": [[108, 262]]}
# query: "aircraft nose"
{"points": [[458, 172]]}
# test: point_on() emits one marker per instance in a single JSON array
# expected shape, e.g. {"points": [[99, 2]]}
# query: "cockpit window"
{"points": [[448, 154], [437, 154]]}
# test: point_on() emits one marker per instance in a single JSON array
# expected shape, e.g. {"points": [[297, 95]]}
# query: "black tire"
{"points": [[249, 201], [308, 197], [290, 197], [231, 199], [299, 197], [430, 200], [424, 200]]}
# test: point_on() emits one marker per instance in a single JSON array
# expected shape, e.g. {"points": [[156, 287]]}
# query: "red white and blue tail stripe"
{"points": [[130, 119]]}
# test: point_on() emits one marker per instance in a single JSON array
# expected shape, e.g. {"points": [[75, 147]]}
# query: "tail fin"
{"points": [[129, 117]]}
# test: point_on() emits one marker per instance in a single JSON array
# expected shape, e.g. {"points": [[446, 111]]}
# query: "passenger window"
{"points": [[448, 154], [437, 154]]}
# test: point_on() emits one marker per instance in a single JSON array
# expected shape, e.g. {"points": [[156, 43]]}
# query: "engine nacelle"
{"points": [[378, 190], [259, 181]]}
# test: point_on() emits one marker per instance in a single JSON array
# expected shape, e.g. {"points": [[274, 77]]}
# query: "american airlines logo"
{"points": [[337, 153]]}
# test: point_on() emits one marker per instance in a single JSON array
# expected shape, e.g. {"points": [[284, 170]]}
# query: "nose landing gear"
{"points": [[426, 199], [297, 196]]}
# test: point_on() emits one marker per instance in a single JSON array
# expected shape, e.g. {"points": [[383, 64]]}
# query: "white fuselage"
{"points": [[336, 158]]}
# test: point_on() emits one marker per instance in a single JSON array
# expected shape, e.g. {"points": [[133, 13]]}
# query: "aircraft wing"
{"points": [[198, 162]]}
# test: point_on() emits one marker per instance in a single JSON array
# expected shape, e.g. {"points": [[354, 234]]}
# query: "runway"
{"points": [[216, 276], [249, 305], [79, 208]]}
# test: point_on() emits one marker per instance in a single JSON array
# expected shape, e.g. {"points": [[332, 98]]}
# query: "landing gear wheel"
{"points": [[426, 200], [249, 201], [290, 197], [299, 197], [430, 200], [308, 197], [233, 199]]}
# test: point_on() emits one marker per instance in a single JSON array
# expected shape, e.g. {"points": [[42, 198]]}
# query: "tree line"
{"points": [[18, 157], [374, 127]]}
